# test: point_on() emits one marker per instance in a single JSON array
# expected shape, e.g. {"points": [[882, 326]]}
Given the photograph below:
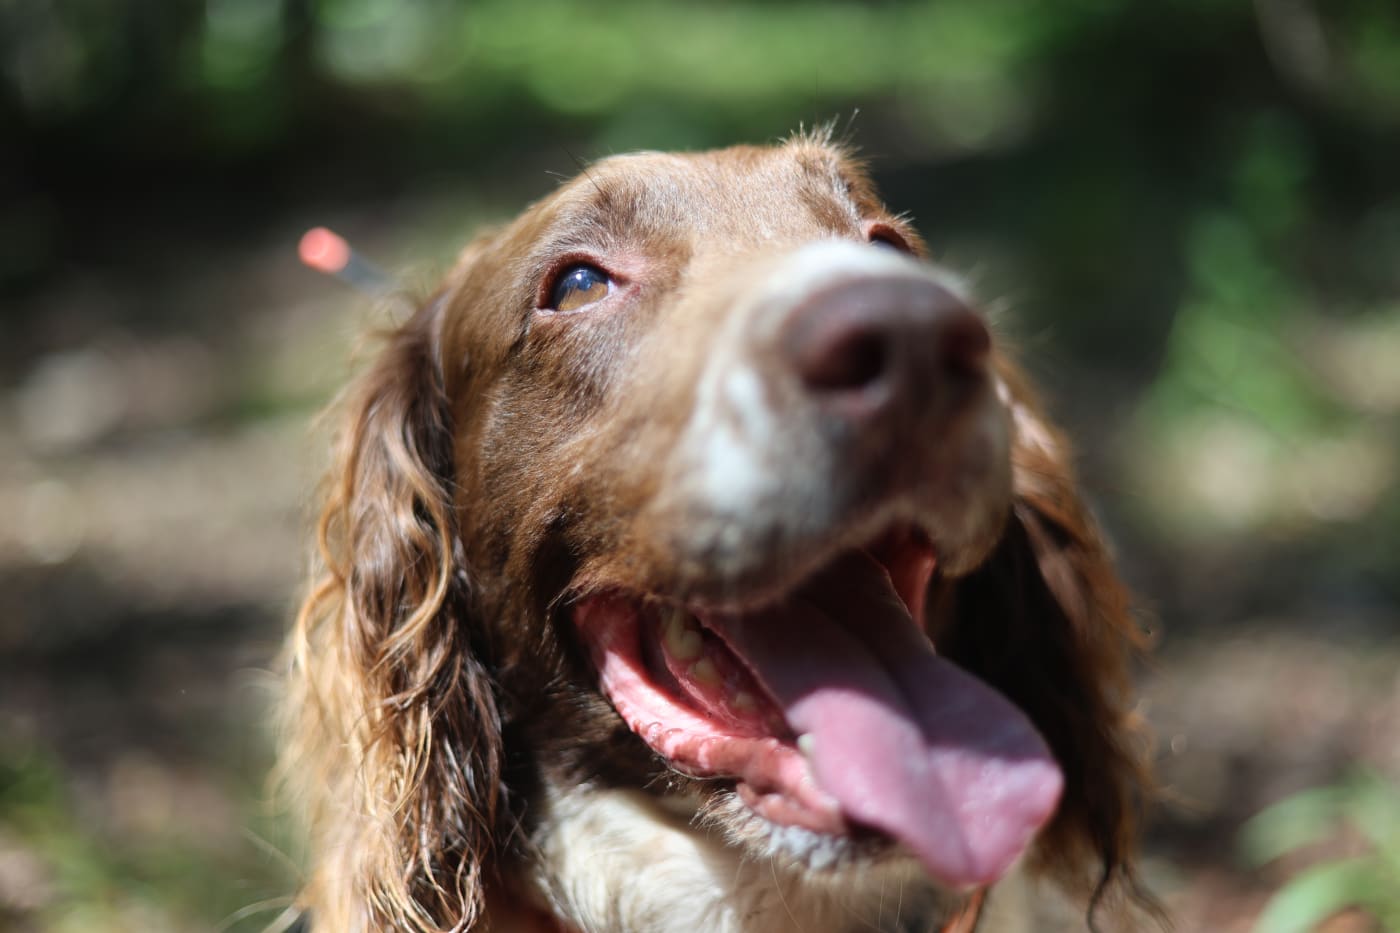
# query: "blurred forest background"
{"points": [[1190, 210]]}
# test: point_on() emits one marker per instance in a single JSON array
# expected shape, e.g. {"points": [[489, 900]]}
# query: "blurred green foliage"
{"points": [[86, 879], [1365, 805], [242, 72], [246, 68]]}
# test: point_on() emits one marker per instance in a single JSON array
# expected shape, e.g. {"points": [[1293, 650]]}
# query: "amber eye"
{"points": [[579, 286]]}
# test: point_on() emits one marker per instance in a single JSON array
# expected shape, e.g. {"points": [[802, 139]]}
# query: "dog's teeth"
{"points": [[806, 744], [705, 672], [743, 700], [682, 639]]}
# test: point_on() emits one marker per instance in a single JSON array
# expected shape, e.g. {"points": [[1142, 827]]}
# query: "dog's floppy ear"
{"points": [[1047, 621], [395, 728]]}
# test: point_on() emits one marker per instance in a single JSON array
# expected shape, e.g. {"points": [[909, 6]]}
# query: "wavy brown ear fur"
{"points": [[1047, 621], [394, 731]]}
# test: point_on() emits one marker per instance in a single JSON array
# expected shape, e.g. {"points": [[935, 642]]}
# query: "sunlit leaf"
{"points": [[1318, 893], [1301, 820]]}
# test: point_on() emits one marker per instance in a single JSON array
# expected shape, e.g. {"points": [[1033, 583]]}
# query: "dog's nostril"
{"points": [[852, 361]]}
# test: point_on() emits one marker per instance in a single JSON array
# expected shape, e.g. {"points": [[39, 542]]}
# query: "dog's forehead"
{"points": [[799, 187], [737, 170]]}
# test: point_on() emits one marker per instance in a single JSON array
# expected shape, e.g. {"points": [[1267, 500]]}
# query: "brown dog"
{"points": [[694, 561]]}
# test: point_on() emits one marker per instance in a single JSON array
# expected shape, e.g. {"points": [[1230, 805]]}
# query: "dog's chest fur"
{"points": [[618, 861]]}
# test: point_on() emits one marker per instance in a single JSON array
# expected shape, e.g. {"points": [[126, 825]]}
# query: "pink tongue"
{"points": [[905, 742]]}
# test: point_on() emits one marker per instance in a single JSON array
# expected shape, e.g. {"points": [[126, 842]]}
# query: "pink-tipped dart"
{"points": [[326, 251]]}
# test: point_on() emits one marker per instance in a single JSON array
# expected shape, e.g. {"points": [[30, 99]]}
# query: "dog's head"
{"points": [[698, 479]]}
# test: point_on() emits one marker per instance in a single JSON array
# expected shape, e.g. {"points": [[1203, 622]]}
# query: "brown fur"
{"points": [[491, 464]]}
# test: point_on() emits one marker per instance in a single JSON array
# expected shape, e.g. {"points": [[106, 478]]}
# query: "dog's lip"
{"points": [[770, 771], [767, 766]]}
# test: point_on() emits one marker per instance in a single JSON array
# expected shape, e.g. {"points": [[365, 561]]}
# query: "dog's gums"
{"points": [[831, 711]]}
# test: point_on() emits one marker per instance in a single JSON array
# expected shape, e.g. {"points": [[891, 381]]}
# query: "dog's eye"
{"points": [[889, 241], [579, 286], [887, 237]]}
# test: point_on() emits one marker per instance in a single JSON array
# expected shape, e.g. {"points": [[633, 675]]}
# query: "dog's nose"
{"points": [[868, 343]]}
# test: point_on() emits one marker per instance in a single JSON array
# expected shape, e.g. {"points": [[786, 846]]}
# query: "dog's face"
{"points": [[707, 477], [727, 426]]}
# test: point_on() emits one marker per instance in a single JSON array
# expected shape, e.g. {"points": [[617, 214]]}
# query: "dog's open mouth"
{"points": [[831, 711]]}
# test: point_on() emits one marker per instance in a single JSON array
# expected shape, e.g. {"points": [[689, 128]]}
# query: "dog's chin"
{"points": [[824, 858]]}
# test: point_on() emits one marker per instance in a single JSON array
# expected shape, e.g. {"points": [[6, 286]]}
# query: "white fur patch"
{"points": [[621, 862], [735, 476]]}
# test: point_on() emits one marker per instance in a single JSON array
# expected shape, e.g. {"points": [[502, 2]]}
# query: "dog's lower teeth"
{"points": [[705, 672], [683, 640], [743, 700]]}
